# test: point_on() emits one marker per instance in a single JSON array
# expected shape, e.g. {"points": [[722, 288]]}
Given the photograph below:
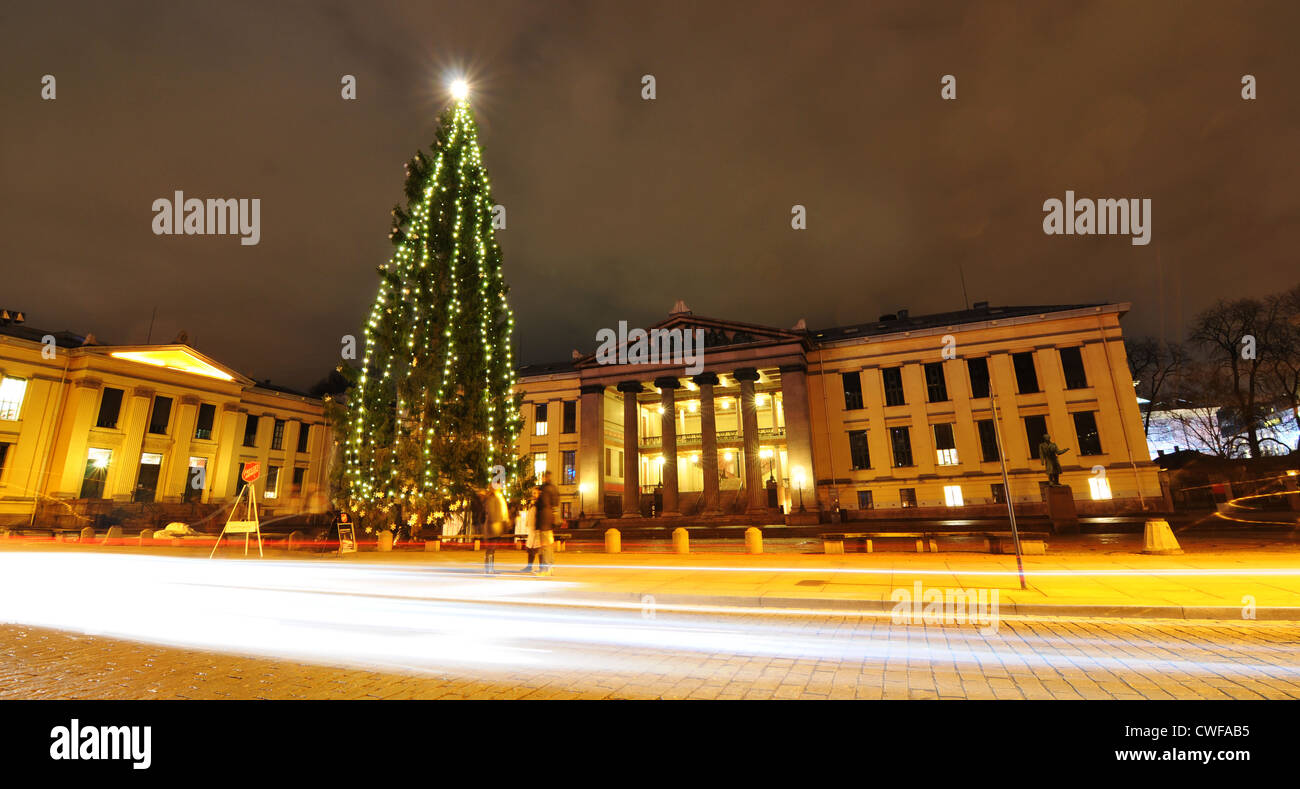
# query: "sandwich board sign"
{"points": [[347, 535], [245, 522]]}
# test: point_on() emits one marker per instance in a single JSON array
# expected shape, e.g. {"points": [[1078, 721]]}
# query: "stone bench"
{"points": [[1031, 543], [834, 542]]}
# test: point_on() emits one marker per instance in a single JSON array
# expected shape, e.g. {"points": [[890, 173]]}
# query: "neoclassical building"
{"points": [[891, 414], [152, 431]]}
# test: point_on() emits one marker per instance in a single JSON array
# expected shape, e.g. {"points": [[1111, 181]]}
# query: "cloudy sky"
{"points": [[619, 206]]}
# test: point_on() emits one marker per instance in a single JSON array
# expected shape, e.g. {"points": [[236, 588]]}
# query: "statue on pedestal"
{"points": [[1048, 453]]}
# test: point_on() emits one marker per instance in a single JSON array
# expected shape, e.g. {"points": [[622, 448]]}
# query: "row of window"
{"points": [[936, 386], [569, 464], [110, 411], [146, 487], [945, 445], [569, 417], [1098, 489]]}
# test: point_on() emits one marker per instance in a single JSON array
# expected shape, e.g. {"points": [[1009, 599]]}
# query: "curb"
{"points": [[841, 606]]}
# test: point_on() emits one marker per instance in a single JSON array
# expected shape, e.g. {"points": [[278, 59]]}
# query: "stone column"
{"points": [[81, 409], [798, 427], [709, 442], [668, 399], [221, 476], [121, 482], [749, 424], [631, 465], [591, 446], [171, 488]]}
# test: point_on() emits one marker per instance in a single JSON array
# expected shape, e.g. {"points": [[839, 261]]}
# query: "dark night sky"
{"points": [[618, 206]]}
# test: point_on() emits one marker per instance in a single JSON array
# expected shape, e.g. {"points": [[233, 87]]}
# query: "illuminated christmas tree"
{"points": [[432, 415]]}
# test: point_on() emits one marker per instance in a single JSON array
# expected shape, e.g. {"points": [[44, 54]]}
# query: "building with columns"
{"points": [[91, 429], [902, 413]]}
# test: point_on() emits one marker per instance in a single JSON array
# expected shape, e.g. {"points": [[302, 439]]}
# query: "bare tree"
{"points": [[1282, 367], [1154, 365], [1237, 338], [1193, 414]]}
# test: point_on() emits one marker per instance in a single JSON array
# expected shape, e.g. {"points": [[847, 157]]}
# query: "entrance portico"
{"points": [[708, 441]]}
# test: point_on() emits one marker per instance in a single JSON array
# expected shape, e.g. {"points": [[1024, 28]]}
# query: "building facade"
{"points": [[88, 428], [900, 413]]}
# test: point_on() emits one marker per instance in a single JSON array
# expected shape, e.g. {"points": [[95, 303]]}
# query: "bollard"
{"points": [[146, 536], [114, 533], [296, 539], [753, 540], [385, 540], [433, 545], [88, 534], [1159, 539], [681, 540], [613, 541]]}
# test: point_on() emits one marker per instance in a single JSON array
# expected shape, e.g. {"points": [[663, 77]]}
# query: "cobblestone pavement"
{"points": [[617, 654]]}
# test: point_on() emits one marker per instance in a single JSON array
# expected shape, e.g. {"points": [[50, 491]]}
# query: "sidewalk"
{"points": [[1079, 577]]}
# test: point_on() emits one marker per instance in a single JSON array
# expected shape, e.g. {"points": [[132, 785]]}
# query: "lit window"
{"points": [[569, 459], [272, 482], [97, 462], [945, 445], [1099, 487], [539, 419], [196, 480], [539, 465], [952, 495], [11, 397]]}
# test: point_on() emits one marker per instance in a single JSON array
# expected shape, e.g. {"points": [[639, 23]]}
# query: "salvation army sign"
{"points": [[252, 470]]}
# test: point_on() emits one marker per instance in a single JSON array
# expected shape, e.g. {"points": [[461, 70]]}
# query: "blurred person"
{"points": [[496, 515], [548, 499], [532, 541]]}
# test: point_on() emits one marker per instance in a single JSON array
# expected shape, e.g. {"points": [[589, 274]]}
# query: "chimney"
{"points": [[902, 315]]}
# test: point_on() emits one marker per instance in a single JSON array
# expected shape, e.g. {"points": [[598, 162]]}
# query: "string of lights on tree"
{"points": [[433, 409]]}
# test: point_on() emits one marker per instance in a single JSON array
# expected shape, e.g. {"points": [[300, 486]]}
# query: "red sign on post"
{"points": [[251, 471]]}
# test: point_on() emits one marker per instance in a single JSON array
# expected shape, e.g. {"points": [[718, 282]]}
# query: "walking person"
{"points": [[548, 499], [531, 540], [495, 517]]}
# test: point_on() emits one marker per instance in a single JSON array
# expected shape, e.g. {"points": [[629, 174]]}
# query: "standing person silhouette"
{"points": [[531, 540], [496, 516], [548, 499]]}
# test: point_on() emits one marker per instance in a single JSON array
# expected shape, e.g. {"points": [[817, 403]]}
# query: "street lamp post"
{"points": [[582, 500], [1006, 483]]}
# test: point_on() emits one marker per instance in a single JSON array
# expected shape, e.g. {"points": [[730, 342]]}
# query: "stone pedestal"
{"points": [[1061, 511], [1159, 539]]}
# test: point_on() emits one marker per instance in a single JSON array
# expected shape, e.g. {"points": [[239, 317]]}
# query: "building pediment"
{"points": [[180, 358], [717, 335]]}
